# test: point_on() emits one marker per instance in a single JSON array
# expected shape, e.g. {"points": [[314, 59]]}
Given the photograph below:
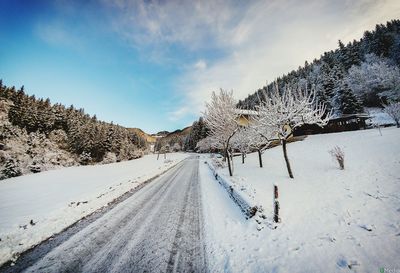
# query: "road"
{"points": [[157, 229]]}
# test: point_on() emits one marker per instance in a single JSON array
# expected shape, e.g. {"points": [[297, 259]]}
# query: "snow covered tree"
{"points": [[11, 169], [393, 110], [345, 101], [284, 111], [85, 158], [221, 119], [259, 135], [241, 141], [375, 80]]}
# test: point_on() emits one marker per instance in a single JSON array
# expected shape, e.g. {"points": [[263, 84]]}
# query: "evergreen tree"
{"points": [[347, 102], [11, 169]]}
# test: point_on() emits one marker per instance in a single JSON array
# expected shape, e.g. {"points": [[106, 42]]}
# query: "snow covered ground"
{"points": [[56, 199], [332, 220]]}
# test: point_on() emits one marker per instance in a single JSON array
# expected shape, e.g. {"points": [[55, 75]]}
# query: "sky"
{"points": [[154, 64]]}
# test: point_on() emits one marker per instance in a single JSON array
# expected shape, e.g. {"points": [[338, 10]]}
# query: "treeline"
{"points": [[361, 73], [82, 134], [198, 132]]}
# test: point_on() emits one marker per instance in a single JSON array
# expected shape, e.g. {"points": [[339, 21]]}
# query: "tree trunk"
{"points": [[158, 155], [260, 158], [286, 158], [242, 158], [229, 163], [232, 163]]}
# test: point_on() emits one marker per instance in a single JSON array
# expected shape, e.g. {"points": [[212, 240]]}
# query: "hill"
{"points": [[332, 220], [175, 140], [144, 135], [36, 135], [361, 73]]}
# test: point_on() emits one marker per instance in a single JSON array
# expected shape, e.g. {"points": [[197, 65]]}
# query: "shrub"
{"points": [[338, 154]]}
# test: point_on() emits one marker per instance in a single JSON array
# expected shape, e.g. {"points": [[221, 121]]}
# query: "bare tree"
{"points": [[283, 112], [241, 141], [260, 136], [393, 110], [221, 119]]}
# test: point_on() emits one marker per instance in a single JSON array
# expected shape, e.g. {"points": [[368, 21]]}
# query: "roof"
{"points": [[351, 116], [246, 112]]}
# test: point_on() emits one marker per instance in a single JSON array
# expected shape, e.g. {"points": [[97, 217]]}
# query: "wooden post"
{"points": [[276, 205]]}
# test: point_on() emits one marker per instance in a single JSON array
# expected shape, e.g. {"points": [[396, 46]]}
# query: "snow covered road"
{"points": [[158, 229]]}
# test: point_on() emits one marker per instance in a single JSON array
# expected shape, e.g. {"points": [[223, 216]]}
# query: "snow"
{"points": [[332, 220], [379, 117], [51, 198]]}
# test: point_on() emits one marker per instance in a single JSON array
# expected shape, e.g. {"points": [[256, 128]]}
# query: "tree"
{"points": [[241, 141], [221, 119], [393, 110], [375, 80], [346, 101], [11, 169], [284, 111]]}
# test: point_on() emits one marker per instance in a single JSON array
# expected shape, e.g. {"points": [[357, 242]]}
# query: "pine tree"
{"points": [[11, 169], [347, 102]]}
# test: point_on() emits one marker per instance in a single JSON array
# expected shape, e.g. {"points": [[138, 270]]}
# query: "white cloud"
{"points": [[260, 40], [274, 38], [200, 65]]}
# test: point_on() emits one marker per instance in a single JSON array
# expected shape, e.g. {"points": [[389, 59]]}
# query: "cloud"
{"points": [[200, 65], [189, 23], [257, 41], [273, 38]]}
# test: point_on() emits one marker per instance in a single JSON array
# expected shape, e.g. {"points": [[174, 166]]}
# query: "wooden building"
{"points": [[350, 122]]}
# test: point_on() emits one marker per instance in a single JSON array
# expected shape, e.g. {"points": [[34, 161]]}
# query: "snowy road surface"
{"points": [[157, 229]]}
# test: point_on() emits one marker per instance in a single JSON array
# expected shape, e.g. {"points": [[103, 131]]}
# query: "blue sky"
{"points": [[153, 64]]}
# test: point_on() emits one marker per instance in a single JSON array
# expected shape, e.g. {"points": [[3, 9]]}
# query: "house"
{"points": [[245, 116], [349, 122]]}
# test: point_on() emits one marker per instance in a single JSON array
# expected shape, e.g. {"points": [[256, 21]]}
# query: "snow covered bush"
{"points": [[11, 169], [338, 155], [393, 110], [109, 158], [85, 158], [35, 167]]}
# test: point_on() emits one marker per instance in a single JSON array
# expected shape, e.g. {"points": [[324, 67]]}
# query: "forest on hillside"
{"points": [[35, 135], [364, 73]]}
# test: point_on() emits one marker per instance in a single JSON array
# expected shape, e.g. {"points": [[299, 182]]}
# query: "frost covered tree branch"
{"points": [[221, 119], [393, 110], [282, 112]]}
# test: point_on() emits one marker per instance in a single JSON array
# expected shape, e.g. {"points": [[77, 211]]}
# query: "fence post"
{"points": [[276, 205]]}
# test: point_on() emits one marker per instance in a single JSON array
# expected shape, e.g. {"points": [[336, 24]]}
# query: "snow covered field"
{"points": [[332, 220], [56, 199]]}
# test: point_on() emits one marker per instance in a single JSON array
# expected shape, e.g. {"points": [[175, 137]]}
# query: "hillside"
{"points": [[332, 220], [36, 135], [359, 74], [175, 140], [144, 135]]}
